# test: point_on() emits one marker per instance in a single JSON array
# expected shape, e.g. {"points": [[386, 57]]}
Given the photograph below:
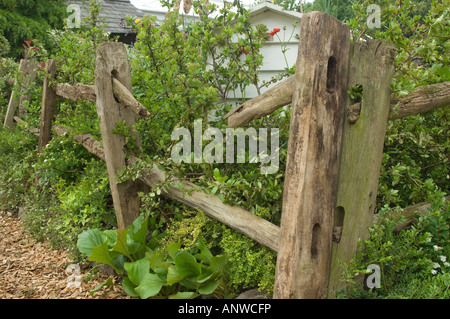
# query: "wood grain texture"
{"points": [[48, 105], [112, 61], [372, 66], [310, 188]]}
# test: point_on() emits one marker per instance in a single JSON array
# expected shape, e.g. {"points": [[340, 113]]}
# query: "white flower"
{"points": [[446, 264], [443, 258], [436, 247], [434, 272], [436, 265]]}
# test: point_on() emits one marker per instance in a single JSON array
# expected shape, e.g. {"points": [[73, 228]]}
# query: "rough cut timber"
{"points": [[27, 76], [76, 92], [372, 66], [112, 61], [422, 99], [310, 188], [48, 106]]}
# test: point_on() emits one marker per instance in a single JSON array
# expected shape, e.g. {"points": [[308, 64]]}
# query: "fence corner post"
{"points": [[371, 68], [312, 168], [112, 61]]}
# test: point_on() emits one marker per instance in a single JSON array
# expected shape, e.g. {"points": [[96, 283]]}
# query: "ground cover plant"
{"points": [[182, 72]]}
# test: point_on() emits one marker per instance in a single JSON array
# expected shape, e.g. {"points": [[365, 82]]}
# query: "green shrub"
{"points": [[414, 263]]}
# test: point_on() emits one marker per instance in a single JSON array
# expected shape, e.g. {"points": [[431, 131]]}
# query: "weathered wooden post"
{"points": [[27, 69], [310, 190], [371, 66], [48, 107], [112, 62]]}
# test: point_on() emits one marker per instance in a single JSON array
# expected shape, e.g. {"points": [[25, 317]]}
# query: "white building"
{"points": [[275, 62]]}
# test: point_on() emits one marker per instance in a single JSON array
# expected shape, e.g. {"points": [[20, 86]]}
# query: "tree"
{"points": [[26, 19]]}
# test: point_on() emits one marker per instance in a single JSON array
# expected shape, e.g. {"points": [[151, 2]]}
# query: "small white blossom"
{"points": [[436, 265], [436, 247], [434, 272], [446, 264], [443, 258]]}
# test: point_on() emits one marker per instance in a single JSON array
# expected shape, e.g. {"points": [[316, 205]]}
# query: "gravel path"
{"points": [[33, 270]]}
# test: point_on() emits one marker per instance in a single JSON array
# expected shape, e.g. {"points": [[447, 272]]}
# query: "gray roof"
{"points": [[112, 13]]}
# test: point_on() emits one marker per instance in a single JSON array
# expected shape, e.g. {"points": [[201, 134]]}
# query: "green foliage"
{"points": [[147, 271], [413, 263], [17, 154], [26, 19]]}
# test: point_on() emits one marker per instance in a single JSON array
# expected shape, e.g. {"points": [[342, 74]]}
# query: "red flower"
{"points": [[272, 33], [276, 30]]}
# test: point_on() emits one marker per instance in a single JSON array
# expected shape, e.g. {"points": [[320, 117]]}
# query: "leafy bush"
{"points": [[17, 155], [413, 263]]}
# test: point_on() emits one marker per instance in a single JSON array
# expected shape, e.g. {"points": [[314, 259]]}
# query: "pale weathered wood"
{"points": [[112, 61], [76, 92], [127, 98], [262, 105], [27, 76], [48, 106], [310, 188], [372, 66], [421, 100]]}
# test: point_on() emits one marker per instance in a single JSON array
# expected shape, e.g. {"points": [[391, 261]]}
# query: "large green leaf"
{"points": [[217, 263], [172, 249], [121, 243], [111, 234], [129, 287], [184, 295], [89, 239], [187, 265], [149, 286], [205, 254], [208, 287], [101, 254], [139, 233], [173, 275], [136, 270]]}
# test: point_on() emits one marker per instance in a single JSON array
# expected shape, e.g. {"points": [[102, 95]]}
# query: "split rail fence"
{"points": [[334, 152]]}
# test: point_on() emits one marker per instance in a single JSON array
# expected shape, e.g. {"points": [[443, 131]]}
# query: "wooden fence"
{"points": [[334, 151]]}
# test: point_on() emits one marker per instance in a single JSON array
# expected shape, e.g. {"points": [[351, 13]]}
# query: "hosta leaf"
{"points": [[173, 275], [187, 264], [101, 254], [129, 287], [149, 286], [208, 287], [89, 239], [184, 295], [136, 270]]}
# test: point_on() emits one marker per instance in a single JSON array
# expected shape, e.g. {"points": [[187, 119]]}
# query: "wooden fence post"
{"points": [[372, 67], [112, 61], [48, 107], [27, 76], [315, 134]]}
